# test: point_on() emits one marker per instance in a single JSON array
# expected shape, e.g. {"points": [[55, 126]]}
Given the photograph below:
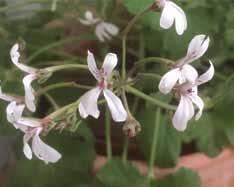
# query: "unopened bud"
{"points": [[158, 5], [131, 127]]}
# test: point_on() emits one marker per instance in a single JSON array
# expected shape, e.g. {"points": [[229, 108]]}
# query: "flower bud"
{"points": [[131, 127]]}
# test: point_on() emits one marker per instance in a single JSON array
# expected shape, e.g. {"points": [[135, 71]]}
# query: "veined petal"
{"points": [[189, 73], [207, 76], [43, 151], [111, 28], [29, 122], [199, 103], [169, 80], [92, 66], [179, 16], [15, 56], [29, 92], [115, 105], [27, 149], [14, 112], [190, 108], [181, 115], [197, 47], [167, 17], [88, 103], [109, 63]]}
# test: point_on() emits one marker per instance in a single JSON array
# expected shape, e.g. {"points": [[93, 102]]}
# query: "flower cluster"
{"points": [[31, 128], [184, 79]]}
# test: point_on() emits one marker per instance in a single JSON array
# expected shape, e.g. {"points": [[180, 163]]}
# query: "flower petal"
{"points": [[29, 122], [197, 47], [190, 108], [199, 103], [88, 103], [181, 115], [179, 16], [43, 151], [101, 33], [116, 107], [207, 76], [167, 18], [111, 28], [14, 112], [89, 19], [92, 66], [15, 56], [169, 80], [27, 149], [109, 63], [189, 73], [29, 92]]}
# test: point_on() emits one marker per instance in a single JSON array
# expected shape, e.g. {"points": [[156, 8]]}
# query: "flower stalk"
{"points": [[108, 134], [61, 85], [124, 38], [154, 145], [154, 101]]}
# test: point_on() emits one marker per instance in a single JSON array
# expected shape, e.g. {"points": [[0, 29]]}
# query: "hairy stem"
{"points": [[124, 38], [154, 144], [61, 85], [108, 134], [57, 44], [152, 100], [66, 66]]}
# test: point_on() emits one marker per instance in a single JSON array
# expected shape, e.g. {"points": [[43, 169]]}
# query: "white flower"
{"points": [[104, 30], [27, 80], [88, 102], [188, 98], [172, 13], [31, 129], [183, 71]]}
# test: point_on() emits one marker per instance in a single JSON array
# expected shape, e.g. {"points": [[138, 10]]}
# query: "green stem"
{"points": [[20, 4], [152, 100], [150, 75], [126, 139], [108, 134], [125, 150], [66, 66], [154, 145], [124, 57], [63, 110], [52, 101], [56, 44], [61, 85], [154, 60], [124, 38]]}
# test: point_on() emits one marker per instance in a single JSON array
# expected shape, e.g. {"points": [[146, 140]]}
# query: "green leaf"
{"points": [[181, 178], [168, 143], [117, 174]]}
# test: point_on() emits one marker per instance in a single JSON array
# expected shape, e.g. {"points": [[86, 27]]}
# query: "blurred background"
{"points": [[53, 35]]}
